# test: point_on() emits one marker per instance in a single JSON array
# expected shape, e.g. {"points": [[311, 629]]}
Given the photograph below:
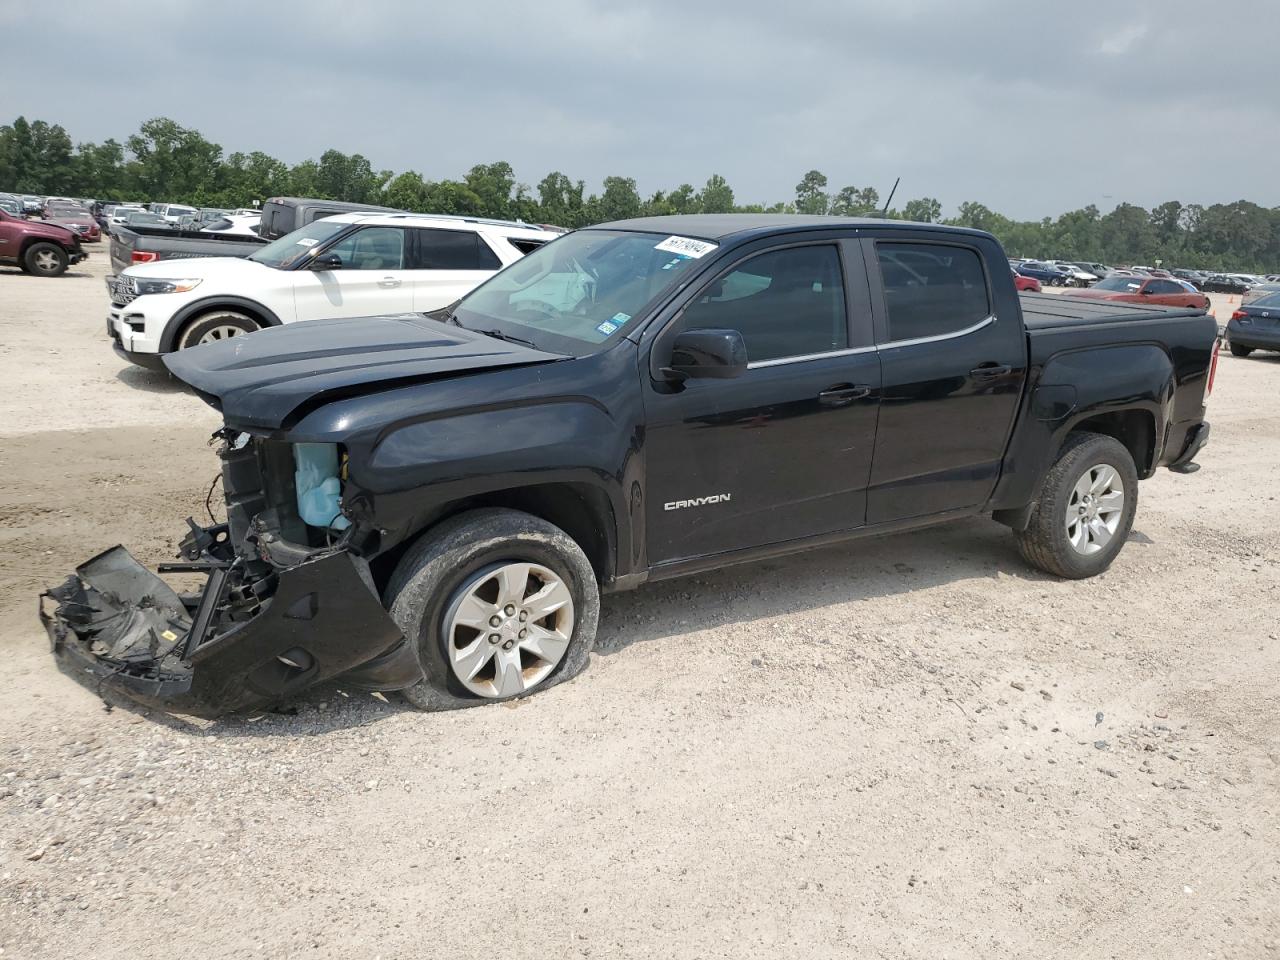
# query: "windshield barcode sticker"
{"points": [[308, 242], [686, 247]]}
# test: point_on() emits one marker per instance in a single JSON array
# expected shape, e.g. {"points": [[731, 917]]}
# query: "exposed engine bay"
{"points": [[288, 598]]}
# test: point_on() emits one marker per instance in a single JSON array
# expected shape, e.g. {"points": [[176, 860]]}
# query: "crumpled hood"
{"points": [[262, 378]]}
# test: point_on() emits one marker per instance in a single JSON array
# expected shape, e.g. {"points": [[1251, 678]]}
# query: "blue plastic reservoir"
{"points": [[319, 489]]}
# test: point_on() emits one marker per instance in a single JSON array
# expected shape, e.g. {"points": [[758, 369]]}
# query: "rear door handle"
{"points": [[388, 282], [843, 394], [989, 371]]}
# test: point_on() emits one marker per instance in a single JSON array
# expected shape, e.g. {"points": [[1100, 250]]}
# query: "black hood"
{"points": [[260, 379]]}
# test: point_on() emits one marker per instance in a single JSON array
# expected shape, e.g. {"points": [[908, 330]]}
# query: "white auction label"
{"points": [[686, 247]]}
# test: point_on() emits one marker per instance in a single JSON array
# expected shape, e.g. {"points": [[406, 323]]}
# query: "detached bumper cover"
{"points": [[117, 627]]}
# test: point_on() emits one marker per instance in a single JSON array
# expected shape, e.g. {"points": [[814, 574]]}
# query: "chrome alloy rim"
{"points": [[507, 628], [223, 331], [1095, 509], [46, 260]]}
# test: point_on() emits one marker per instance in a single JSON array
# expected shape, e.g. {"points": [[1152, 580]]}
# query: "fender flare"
{"points": [[179, 319]]}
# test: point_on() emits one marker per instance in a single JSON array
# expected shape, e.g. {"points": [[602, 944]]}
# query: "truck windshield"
{"points": [[292, 247], [578, 291]]}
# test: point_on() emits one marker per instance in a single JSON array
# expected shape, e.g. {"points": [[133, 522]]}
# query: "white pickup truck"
{"points": [[351, 265]]}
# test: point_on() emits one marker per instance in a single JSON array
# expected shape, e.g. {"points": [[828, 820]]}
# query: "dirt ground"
{"points": [[911, 747]]}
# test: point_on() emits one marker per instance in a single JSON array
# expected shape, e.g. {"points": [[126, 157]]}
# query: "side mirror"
{"points": [[718, 354], [327, 261]]}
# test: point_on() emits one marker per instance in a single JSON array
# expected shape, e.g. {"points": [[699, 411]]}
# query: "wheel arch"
{"points": [[582, 510], [193, 311]]}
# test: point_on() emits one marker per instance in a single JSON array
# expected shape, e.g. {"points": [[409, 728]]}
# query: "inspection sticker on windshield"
{"points": [[620, 318], [686, 247], [308, 242], [607, 327]]}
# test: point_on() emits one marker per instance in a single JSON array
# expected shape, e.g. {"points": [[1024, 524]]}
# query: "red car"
{"points": [[39, 248], [79, 220], [1155, 290], [1025, 283]]}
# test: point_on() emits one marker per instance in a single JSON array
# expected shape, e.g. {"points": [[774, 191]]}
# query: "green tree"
{"points": [[97, 170], [856, 202], [171, 162], [620, 199], [811, 193], [35, 157], [408, 191], [923, 210], [716, 196], [493, 183]]}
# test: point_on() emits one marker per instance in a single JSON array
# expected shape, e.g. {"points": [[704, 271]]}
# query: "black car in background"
{"points": [[1221, 283], [1255, 326]]}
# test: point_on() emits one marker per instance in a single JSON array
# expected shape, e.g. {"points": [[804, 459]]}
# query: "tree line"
{"points": [[169, 162]]}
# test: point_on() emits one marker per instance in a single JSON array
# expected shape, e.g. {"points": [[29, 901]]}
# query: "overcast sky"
{"points": [[1031, 108]]}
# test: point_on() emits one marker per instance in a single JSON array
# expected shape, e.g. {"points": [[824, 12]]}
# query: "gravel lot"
{"points": [[913, 747]]}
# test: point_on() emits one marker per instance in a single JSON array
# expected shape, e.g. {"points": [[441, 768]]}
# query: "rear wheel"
{"points": [[1086, 508], [1239, 351], [213, 327], [45, 260], [498, 603]]}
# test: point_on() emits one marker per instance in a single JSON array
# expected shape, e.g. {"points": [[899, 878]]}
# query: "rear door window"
{"points": [[932, 289], [453, 250]]}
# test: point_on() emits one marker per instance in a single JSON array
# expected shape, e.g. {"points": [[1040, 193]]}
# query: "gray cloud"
{"points": [[1030, 108]]}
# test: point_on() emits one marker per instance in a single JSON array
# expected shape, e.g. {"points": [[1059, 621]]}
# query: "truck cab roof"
{"points": [[718, 227]]}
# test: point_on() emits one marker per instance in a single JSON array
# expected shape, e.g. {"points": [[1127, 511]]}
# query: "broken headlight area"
{"points": [[286, 603]]}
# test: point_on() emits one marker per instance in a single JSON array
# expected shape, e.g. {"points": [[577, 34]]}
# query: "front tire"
{"points": [[45, 260], [1086, 507], [486, 574], [214, 327], [1239, 351]]}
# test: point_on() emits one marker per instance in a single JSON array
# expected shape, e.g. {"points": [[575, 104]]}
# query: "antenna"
{"points": [[885, 212]]}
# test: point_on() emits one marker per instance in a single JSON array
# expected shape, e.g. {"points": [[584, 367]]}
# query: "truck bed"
{"points": [[1041, 311], [170, 244]]}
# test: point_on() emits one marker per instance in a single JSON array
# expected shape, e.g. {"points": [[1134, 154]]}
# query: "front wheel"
{"points": [[45, 260], [1086, 508], [498, 603], [213, 327]]}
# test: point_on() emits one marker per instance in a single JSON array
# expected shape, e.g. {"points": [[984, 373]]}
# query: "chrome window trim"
{"points": [[802, 358], [882, 346], [941, 336]]}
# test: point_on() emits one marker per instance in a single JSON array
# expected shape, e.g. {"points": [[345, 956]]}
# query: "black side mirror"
{"points": [[327, 261], [721, 354]]}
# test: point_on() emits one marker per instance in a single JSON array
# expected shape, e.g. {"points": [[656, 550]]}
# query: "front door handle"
{"points": [[843, 394], [989, 371], [388, 282]]}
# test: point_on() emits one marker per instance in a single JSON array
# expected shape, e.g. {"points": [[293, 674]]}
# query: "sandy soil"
{"points": [[913, 747]]}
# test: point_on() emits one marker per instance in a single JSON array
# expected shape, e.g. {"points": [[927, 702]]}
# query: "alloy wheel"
{"points": [[1095, 509], [507, 628]]}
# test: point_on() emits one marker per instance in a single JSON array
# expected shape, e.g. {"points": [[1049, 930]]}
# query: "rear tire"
{"points": [[216, 326], [1078, 525], [449, 569], [45, 260], [1239, 351]]}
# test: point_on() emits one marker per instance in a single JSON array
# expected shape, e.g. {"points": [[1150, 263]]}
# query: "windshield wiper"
{"points": [[499, 335]]}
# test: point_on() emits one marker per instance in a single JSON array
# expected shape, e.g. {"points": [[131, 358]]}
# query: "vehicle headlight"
{"points": [[142, 286]]}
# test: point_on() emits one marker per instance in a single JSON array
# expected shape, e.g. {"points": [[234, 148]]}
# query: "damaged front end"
{"points": [[287, 602]]}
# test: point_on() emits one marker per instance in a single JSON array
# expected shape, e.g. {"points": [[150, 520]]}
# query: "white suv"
{"points": [[350, 265]]}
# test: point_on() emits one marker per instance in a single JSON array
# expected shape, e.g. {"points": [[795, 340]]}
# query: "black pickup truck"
{"points": [[434, 503]]}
